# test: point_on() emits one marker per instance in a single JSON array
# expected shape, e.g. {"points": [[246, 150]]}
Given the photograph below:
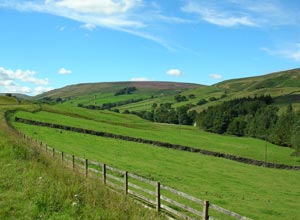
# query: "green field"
{"points": [[34, 187], [133, 126], [255, 192]]}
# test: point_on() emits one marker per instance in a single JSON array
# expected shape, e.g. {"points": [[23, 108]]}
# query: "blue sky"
{"points": [[47, 44]]}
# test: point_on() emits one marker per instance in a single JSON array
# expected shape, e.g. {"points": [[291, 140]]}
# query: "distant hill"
{"points": [[109, 87], [283, 86], [283, 79], [18, 95]]}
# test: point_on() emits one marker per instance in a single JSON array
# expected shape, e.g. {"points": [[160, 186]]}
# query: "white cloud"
{"points": [[12, 81], [215, 76], [290, 51], [64, 71], [139, 79], [16, 89], [174, 72], [88, 27], [6, 83], [22, 75]]}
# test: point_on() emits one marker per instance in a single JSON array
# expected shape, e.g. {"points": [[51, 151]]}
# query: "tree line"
{"points": [[124, 91], [109, 105], [165, 113], [254, 117]]}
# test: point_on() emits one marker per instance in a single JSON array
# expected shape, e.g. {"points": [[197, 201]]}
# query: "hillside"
{"points": [[246, 189], [282, 79], [243, 188], [283, 86], [6, 100], [110, 87], [33, 186]]}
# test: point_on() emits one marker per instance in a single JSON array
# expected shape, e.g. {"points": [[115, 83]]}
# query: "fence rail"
{"points": [[151, 193]]}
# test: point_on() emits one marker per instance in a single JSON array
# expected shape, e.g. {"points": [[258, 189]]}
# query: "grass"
{"points": [[6, 100], [279, 84], [34, 187], [255, 192], [185, 135]]}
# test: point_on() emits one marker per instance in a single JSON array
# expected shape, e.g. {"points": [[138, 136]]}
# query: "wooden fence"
{"points": [[174, 203]]}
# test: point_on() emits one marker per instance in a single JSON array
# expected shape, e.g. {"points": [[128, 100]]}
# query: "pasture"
{"points": [[255, 192]]}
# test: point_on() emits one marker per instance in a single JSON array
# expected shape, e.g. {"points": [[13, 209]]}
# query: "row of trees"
{"points": [[253, 117], [165, 113], [124, 91], [110, 105]]}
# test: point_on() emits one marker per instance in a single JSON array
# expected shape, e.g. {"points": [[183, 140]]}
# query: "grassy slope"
{"points": [[256, 192], [282, 85], [92, 88], [32, 187], [185, 135], [5, 100]]}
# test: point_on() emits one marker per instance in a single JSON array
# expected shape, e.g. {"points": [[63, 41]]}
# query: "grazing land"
{"points": [[225, 183], [133, 126], [256, 192], [33, 187]]}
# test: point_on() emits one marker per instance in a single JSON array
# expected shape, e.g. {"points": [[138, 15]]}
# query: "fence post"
{"points": [[126, 182], [73, 162], [158, 196], [62, 157], [205, 210], [104, 173], [86, 167], [53, 152]]}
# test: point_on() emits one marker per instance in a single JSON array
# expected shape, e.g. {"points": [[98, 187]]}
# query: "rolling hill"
{"points": [[282, 86], [111, 87], [249, 190]]}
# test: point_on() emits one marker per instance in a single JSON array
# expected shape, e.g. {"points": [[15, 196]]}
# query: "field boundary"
{"points": [[148, 192], [160, 144]]}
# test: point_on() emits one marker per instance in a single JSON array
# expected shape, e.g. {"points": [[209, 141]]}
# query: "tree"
{"points": [[180, 98], [295, 140], [183, 116], [192, 96], [201, 102], [284, 128], [237, 126], [154, 105]]}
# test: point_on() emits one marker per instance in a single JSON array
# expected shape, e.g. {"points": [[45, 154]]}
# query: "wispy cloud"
{"points": [[174, 72], [215, 76], [64, 71], [216, 16], [229, 13], [122, 15], [89, 27], [290, 51]]}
